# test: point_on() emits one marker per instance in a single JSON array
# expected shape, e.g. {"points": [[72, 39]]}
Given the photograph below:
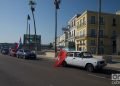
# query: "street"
{"points": [[41, 72]]}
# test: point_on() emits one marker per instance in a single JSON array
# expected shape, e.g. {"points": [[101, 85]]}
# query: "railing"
{"points": [[92, 36]]}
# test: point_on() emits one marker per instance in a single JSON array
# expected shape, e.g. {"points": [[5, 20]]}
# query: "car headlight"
{"points": [[24, 53]]}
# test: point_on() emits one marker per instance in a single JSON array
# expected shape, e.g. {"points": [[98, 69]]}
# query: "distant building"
{"points": [[29, 41]]}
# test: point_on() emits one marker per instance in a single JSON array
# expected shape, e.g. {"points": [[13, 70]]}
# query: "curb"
{"points": [[44, 57], [113, 68]]}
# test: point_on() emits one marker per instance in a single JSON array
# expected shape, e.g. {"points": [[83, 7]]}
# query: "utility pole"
{"points": [[56, 3], [98, 30], [29, 36]]}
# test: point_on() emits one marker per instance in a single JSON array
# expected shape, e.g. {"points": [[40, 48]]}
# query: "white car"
{"points": [[83, 59]]}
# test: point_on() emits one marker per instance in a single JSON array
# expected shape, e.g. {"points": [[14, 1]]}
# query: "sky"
{"points": [[13, 16]]}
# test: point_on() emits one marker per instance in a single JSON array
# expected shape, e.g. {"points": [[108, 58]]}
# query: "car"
{"points": [[12, 52], [5, 51], [84, 59], [26, 54]]}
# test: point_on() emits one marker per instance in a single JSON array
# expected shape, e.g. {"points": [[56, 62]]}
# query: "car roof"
{"points": [[76, 51]]}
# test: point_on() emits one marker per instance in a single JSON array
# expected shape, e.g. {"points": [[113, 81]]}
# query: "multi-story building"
{"points": [[72, 31], [87, 27], [61, 41]]}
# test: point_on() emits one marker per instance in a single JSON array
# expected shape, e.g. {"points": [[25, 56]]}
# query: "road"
{"points": [[41, 72]]}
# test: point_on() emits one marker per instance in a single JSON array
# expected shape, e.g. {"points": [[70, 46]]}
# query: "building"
{"points": [[30, 42], [87, 27], [72, 27], [61, 41]]}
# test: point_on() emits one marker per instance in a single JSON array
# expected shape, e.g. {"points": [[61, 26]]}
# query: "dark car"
{"points": [[5, 51], [26, 54]]}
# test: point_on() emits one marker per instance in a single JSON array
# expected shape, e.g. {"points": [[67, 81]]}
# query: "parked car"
{"points": [[12, 52], [84, 59], [26, 54], [5, 51]]}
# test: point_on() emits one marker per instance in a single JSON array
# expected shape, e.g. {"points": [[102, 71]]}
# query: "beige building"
{"points": [[87, 27]]}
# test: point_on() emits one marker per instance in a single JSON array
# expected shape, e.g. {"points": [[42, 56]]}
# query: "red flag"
{"points": [[60, 59], [16, 46]]}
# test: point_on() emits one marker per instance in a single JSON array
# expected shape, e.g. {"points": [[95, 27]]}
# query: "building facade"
{"points": [[87, 27], [72, 27]]}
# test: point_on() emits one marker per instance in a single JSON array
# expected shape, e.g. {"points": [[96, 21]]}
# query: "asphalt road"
{"points": [[41, 72]]}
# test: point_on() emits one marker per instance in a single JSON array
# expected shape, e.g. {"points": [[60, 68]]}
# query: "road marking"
{"points": [[98, 76]]}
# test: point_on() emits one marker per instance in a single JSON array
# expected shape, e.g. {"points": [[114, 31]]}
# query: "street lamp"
{"points": [[32, 5], [98, 30], [56, 3]]}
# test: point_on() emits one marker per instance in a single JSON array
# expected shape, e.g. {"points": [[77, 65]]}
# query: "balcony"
{"points": [[91, 36], [81, 25]]}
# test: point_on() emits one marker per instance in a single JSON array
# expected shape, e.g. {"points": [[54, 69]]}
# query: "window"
{"points": [[114, 22], [101, 20], [74, 23], [80, 22], [83, 20], [76, 54], [92, 20], [83, 42], [101, 33], [74, 32], [101, 42], [92, 42], [87, 55], [114, 33], [93, 32], [70, 54]]}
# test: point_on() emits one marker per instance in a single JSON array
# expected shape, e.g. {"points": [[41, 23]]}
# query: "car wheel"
{"points": [[64, 64], [89, 67]]}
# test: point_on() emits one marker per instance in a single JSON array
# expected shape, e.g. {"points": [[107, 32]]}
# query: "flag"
{"points": [[61, 58], [20, 43]]}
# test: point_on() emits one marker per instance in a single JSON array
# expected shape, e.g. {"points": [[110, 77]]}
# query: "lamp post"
{"points": [[56, 3], [32, 6], [98, 30]]}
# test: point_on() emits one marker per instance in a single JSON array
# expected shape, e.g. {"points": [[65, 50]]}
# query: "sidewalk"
{"points": [[114, 65], [46, 57]]}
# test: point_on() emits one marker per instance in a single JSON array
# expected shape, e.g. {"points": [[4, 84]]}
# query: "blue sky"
{"points": [[13, 15]]}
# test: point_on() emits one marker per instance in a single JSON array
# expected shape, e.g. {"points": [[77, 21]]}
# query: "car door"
{"points": [[69, 58], [78, 59]]}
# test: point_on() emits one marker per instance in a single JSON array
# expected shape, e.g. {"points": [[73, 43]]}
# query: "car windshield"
{"points": [[87, 55], [27, 51]]}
